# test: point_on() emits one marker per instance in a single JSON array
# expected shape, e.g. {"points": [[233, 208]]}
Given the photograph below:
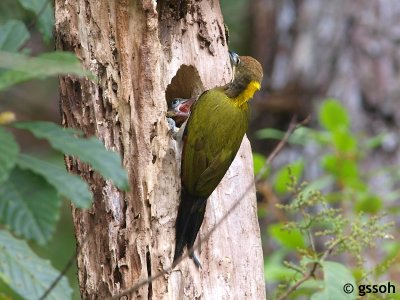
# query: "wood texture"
{"points": [[136, 48]]}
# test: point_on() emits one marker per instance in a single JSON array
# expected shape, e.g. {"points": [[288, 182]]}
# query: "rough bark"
{"points": [[145, 53]]}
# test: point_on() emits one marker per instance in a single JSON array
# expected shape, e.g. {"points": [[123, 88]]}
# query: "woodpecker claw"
{"points": [[172, 127]]}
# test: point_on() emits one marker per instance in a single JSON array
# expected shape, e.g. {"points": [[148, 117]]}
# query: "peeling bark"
{"points": [[144, 54]]}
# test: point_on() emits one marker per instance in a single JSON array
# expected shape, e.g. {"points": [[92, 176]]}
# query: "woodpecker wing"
{"points": [[212, 138]]}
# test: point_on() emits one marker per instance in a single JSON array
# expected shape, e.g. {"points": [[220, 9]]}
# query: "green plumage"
{"points": [[211, 143], [212, 137]]}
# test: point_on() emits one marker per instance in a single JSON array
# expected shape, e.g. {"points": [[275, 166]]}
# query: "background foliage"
{"points": [[332, 224], [32, 188]]}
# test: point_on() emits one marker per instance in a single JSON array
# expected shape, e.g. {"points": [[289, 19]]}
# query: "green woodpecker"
{"points": [[212, 137]]}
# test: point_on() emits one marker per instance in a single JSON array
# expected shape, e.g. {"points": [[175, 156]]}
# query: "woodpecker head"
{"points": [[179, 109], [247, 71], [181, 106], [246, 67]]}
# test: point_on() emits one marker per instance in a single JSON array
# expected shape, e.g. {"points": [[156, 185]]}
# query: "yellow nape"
{"points": [[247, 93]]}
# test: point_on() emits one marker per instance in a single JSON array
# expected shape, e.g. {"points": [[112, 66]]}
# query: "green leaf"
{"points": [[369, 203], [270, 133], [300, 136], [26, 273], [345, 170], [259, 161], [22, 67], [274, 270], [336, 278], [391, 250], [330, 163], [291, 239], [375, 141], [90, 150], [43, 10], [322, 137], [66, 184], [275, 273], [282, 178], [332, 115], [13, 35], [344, 142], [308, 286], [8, 153], [11, 9], [29, 205], [261, 212], [35, 6]]}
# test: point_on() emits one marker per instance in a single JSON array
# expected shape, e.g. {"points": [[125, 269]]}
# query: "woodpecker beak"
{"points": [[185, 105], [180, 107]]}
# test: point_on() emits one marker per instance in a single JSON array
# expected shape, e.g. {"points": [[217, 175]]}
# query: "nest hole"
{"points": [[185, 84]]}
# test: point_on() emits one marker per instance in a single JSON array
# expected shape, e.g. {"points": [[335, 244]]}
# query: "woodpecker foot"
{"points": [[176, 132], [196, 260]]}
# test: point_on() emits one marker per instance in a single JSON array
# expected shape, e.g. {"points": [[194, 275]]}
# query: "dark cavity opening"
{"points": [[185, 84]]}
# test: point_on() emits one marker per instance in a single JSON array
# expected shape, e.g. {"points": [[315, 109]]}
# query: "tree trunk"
{"points": [[144, 54]]}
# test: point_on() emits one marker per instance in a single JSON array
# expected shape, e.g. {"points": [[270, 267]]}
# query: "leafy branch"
{"points": [[32, 189], [345, 221]]}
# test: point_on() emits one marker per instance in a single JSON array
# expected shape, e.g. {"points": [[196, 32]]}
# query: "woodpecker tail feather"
{"points": [[190, 217], [196, 219], [181, 225]]}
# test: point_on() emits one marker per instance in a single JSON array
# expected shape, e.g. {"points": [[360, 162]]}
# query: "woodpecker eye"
{"points": [[175, 103], [235, 59]]}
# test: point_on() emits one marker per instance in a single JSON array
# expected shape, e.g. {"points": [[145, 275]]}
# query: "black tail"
{"points": [[190, 217]]}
